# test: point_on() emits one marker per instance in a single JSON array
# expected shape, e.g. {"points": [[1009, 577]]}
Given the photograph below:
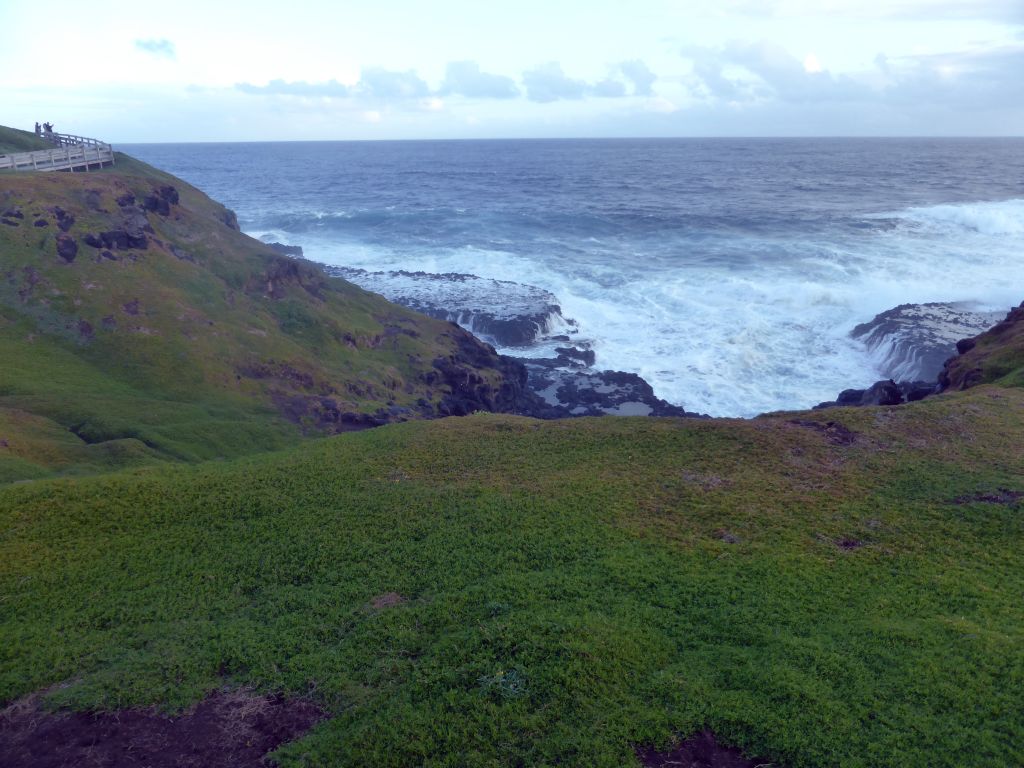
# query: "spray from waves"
{"points": [[1004, 217], [737, 342]]}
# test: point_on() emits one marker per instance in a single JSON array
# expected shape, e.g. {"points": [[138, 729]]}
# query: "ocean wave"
{"points": [[1004, 217]]}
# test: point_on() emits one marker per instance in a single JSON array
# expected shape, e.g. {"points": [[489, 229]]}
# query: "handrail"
{"points": [[71, 153]]}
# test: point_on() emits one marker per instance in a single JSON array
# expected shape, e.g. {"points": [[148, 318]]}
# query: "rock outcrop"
{"points": [[996, 352], [505, 313], [912, 341]]}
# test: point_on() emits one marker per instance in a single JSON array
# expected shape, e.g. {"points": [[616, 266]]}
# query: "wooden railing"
{"points": [[67, 139], [70, 153]]}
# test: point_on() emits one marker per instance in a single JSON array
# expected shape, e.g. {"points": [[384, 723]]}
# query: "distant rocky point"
{"points": [[503, 312]]}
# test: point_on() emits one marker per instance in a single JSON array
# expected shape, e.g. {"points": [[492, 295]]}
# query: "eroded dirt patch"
{"points": [[229, 729], [700, 751], [387, 600], [998, 496]]}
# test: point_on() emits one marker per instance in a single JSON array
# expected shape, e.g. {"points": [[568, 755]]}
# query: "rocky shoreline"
{"points": [[910, 344], [918, 342]]}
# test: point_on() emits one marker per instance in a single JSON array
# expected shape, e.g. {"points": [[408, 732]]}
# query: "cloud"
{"points": [[641, 77], [330, 89], [965, 80], [927, 10], [464, 78], [375, 83], [380, 83], [162, 47], [612, 89], [744, 72], [547, 83]]}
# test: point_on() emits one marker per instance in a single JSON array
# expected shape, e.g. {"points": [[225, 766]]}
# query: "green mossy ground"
{"points": [[570, 587], [839, 588]]}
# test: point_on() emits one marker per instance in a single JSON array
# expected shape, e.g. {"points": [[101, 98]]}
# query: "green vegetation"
{"points": [[15, 140], [205, 344], [571, 588], [996, 356], [836, 588]]}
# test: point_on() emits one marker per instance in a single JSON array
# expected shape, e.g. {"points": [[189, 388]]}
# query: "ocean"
{"points": [[726, 272]]}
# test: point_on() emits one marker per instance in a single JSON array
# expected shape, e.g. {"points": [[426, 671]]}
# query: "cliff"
{"points": [[138, 323]]}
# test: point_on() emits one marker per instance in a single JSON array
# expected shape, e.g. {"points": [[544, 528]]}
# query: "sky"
{"points": [[396, 69]]}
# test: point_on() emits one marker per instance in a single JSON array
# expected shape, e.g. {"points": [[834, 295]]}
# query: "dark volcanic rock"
{"points": [[136, 225], [283, 272], [323, 414], [287, 250], [468, 372], [67, 248], [127, 200], [169, 193], [886, 392], [13, 213], [882, 393], [499, 311], [230, 219], [64, 219], [115, 238], [917, 390], [96, 241], [156, 204], [40, 223], [912, 341], [575, 392]]}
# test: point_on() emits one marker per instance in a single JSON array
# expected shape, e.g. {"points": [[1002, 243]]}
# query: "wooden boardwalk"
{"points": [[70, 153]]}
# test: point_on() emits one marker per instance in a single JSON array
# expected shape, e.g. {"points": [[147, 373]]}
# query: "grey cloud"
{"points": [[464, 78], [331, 88], [641, 77], [974, 80], [927, 90], [777, 74], [161, 47], [380, 83], [374, 83], [547, 83], [612, 89]]}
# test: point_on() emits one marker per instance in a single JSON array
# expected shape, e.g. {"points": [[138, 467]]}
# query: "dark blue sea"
{"points": [[728, 273]]}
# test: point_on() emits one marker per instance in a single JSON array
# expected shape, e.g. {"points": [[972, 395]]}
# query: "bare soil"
{"points": [[233, 729], [699, 751]]}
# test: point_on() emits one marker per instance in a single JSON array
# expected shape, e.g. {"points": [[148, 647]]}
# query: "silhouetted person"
{"points": [[38, 129]]}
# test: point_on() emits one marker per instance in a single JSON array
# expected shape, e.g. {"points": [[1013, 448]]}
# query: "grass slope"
{"points": [[205, 344], [15, 140], [826, 595]]}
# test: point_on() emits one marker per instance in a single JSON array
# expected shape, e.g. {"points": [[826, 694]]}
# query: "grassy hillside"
{"points": [[837, 589], [15, 140], [997, 355], [137, 324]]}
